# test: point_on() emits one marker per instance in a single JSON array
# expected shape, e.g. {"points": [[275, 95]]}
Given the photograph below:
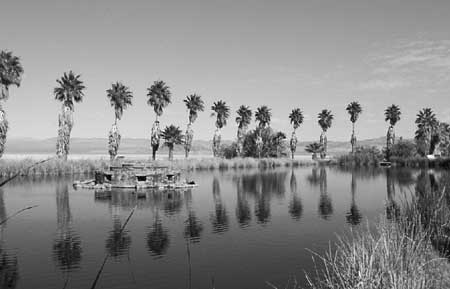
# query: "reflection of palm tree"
{"points": [[2, 207], [118, 242], [172, 202], [67, 248], [325, 203], [243, 213], [158, 239], [295, 205], [193, 228], [354, 215], [9, 270], [313, 179], [220, 219], [392, 208]]}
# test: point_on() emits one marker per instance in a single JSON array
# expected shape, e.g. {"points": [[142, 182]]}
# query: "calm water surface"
{"points": [[238, 229]]}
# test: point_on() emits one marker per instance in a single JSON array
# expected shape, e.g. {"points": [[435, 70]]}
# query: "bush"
{"points": [[403, 149], [363, 156], [274, 144], [228, 151]]}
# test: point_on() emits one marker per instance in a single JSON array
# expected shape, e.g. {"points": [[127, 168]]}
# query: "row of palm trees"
{"points": [[70, 90]]}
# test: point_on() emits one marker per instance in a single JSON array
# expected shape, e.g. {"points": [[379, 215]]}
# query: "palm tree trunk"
{"points": [[3, 131], [155, 137], [216, 142], [240, 141], [64, 130], [188, 139], [324, 143], [353, 138], [293, 144], [113, 142], [170, 152], [390, 140]]}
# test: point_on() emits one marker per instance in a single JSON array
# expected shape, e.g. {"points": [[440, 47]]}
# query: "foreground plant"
{"points": [[222, 112], [392, 115], [172, 135], [243, 120], [325, 121], [70, 90], [296, 118], [354, 110], [120, 98], [11, 71], [194, 104], [159, 97]]}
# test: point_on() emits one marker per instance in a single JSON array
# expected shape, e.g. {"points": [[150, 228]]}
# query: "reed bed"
{"points": [[410, 252], [57, 167], [53, 167]]}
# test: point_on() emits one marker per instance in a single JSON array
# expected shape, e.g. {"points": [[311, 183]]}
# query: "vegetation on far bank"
{"points": [[58, 167]]}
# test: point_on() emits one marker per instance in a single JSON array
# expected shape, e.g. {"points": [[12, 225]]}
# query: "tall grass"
{"points": [[58, 167], [395, 254], [54, 167]]}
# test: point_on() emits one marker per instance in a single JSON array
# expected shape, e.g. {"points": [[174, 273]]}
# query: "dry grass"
{"points": [[396, 254], [56, 167]]}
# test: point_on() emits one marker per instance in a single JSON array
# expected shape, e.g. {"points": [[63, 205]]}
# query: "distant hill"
{"points": [[142, 146]]}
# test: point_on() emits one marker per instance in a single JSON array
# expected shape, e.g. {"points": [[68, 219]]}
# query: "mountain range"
{"points": [[142, 146]]}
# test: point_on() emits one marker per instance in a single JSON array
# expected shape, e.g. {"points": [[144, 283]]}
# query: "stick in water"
{"points": [[16, 213], [107, 255], [18, 173]]}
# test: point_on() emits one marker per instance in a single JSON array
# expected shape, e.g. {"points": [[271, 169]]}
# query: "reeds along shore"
{"points": [[409, 251], [58, 167]]}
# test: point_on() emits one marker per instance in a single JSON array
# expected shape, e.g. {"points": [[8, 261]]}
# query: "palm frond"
{"points": [[159, 96], [120, 98]]}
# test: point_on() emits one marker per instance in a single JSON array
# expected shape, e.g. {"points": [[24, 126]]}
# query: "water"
{"points": [[238, 229]]}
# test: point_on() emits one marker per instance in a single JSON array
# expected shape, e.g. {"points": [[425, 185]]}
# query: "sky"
{"points": [[284, 54]]}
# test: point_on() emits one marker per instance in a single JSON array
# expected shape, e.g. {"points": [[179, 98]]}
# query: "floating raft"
{"points": [[135, 176]]}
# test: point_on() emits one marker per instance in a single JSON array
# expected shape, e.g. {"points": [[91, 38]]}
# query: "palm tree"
{"points": [[159, 97], [263, 116], [172, 135], [391, 114], [296, 118], [11, 71], [120, 98], [354, 110], [70, 90], [243, 120], [427, 125], [325, 121], [194, 104], [222, 112], [314, 148]]}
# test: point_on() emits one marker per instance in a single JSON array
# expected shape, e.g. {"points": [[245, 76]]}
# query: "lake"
{"points": [[237, 229]]}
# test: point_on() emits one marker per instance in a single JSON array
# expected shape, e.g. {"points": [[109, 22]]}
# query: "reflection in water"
{"points": [[354, 215], [9, 270], [392, 208], [295, 204], [2, 208], [118, 243], [243, 213], [173, 202], [67, 248], [219, 220], [325, 202], [158, 239], [193, 227]]}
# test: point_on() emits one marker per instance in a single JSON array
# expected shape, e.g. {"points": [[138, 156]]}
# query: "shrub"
{"points": [[363, 156], [273, 143], [403, 149]]}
